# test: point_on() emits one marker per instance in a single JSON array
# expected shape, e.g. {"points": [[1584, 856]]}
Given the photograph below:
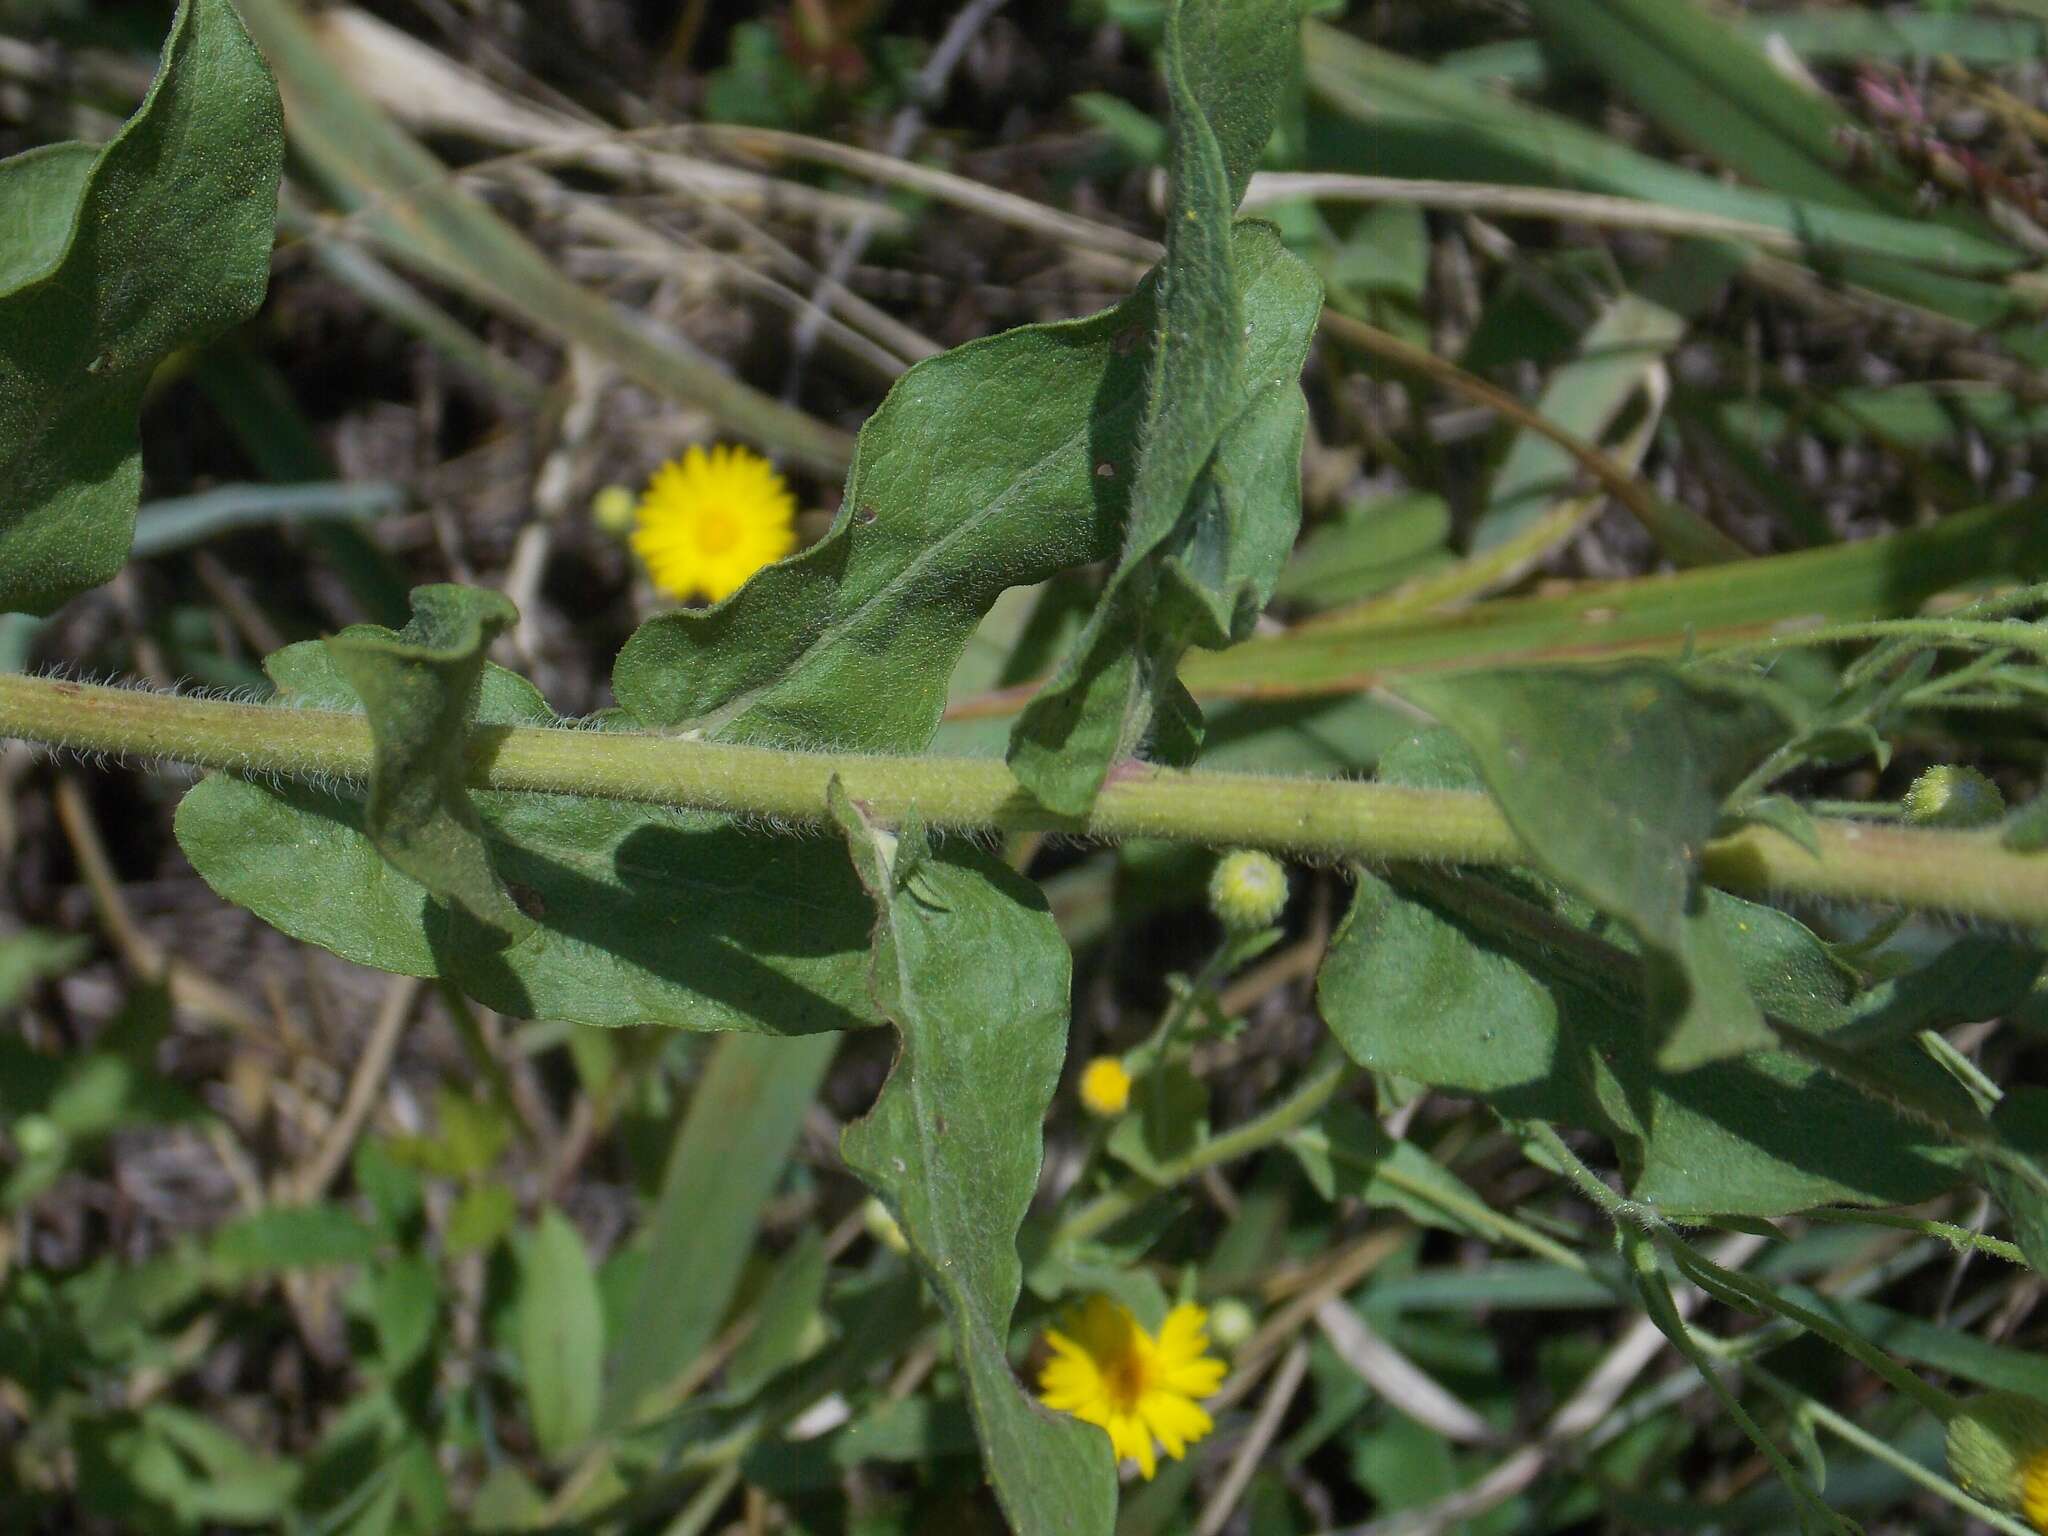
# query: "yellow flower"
{"points": [[710, 520], [1108, 1371], [1105, 1087], [2034, 1489]]}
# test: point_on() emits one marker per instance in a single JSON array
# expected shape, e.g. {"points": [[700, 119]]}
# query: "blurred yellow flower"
{"points": [[708, 521], [1108, 1371], [2034, 1489], [1105, 1087]]}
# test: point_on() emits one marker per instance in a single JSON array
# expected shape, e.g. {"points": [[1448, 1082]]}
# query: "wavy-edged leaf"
{"points": [[161, 242], [993, 466], [1533, 1002], [419, 687], [641, 914], [1215, 501], [1614, 778], [971, 968]]}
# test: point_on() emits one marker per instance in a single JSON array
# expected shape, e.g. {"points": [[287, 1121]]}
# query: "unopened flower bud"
{"points": [[1248, 891], [1950, 796], [1998, 1452], [612, 508], [1231, 1323]]}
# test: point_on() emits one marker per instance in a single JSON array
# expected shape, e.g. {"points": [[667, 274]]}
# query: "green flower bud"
{"points": [[613, 508], [1231, 1323], [1248, 891], [1950, 796], [1998, 1452]]}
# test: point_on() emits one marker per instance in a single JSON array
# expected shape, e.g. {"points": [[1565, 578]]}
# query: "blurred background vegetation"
{"points": [[292, 1245]]}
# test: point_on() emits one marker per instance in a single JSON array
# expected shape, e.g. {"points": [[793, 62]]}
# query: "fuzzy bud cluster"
{"points": [[1248, 891]]}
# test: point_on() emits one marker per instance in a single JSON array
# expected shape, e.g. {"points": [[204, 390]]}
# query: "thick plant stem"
{"points": [[1964, 873]]}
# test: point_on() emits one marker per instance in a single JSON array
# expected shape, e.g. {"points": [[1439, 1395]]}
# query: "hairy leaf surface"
{"points": [[1512, 989], [1614, 777], [953, 1143], [641, 914], [109, 262], [1215, 502]]}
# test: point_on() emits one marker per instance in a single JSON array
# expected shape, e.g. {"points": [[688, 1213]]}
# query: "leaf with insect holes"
{"points": [[109, 262]]}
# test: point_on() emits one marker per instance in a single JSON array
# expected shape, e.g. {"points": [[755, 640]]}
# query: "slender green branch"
{"points": [[1880, 1449], [1967, 874], [1329, 1076]]}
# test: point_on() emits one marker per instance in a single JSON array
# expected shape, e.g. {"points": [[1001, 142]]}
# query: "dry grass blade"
{"points": [[423, 219]]}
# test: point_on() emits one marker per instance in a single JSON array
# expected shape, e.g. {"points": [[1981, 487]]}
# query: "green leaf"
{"points": [[293, 1237], [1615, 778], [1215, 499], [561, 1335], [642, 915], [161, 243], [1717, 91], [727, 1159], [1346, 1154], [420, 689], [42, 189], [789, 1310], [1506, 987], [404, 1302], [2016, 1179], [970, 966], [34, 954], [995, 465]]}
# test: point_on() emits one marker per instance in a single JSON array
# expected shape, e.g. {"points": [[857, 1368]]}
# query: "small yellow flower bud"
{"points": [[612, 508], [1248, 891], [1998, 1452], [1105, 1087], [1231, 1323], [883, 1227], [1953, 797]]}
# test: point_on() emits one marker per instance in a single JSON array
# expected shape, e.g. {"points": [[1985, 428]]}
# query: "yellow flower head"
{"points": [[1105, 1087], [1108, 1371], [710, 520]]}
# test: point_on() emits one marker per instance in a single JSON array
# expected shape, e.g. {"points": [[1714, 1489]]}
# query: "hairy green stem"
{"points": [[1963, 873]]}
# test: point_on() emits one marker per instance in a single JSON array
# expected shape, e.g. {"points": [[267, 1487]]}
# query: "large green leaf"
{"points": [[1614, 777], [419, 687], [992, 466], [970, 966], [1508, 988], [1215, 499], [109, 264], [642, 915]]}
